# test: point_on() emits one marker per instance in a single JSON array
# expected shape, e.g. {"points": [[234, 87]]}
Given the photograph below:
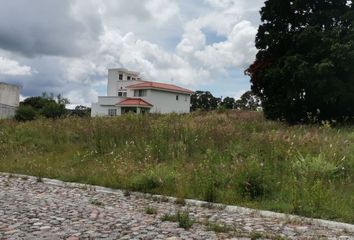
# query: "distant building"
{"points": [[9, 100], [127, 92]]}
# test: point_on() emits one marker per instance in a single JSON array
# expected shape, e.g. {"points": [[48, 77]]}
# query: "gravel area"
{"points": [[31, 209]]}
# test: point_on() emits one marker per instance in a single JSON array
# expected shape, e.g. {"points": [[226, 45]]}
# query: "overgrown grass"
{"points": [[229, 157]]}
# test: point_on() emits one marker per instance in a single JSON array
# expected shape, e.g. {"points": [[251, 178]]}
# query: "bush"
{"points": [[53, 110], [254, 182], [145, 183], [25, 113]]}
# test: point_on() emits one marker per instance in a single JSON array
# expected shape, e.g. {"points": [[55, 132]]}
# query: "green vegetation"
{"points": [[182, 217], [219, 228], [303, 70], [229, 157], [46, 106], [96, 202], [150, 211], [205, 101]]}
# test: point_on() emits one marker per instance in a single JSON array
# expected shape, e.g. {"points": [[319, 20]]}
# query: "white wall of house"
{"points": [[9, 94], [98, 110], [115, 84], [166, 102], [105, 103], [9, 99]]}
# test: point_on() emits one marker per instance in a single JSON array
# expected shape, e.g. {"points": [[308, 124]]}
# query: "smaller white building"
{"points": [[9, 100], [127, 92]]}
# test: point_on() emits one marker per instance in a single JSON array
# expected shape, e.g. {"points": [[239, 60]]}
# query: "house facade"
{"points": [[9, 100], [128, 92]]}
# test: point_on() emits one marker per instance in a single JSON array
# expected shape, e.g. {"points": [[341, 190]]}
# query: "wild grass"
{"points": [[228, 157], [150, 210], [182, 217]]}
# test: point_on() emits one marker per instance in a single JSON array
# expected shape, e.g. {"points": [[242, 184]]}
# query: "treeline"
{"points": [[48, 106], [205, 101]]}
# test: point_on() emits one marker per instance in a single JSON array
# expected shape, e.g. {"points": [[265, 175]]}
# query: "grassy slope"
{"points": [[232, 157]]}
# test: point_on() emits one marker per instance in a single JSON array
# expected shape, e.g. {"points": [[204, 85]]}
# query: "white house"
{"points": [[9, 99], [127, 92]]}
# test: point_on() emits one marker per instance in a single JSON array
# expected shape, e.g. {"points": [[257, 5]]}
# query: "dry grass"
{"points": [[229, 157]]}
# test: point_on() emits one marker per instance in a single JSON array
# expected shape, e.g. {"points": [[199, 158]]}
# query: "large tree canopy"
{"points": [[204, 100], [305, 63]]}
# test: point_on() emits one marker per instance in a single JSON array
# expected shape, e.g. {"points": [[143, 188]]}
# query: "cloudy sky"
{"points": [[66, 46]]}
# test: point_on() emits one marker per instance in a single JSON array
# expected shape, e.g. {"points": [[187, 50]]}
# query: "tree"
{"points": [[37, 103], [53, 110], [248, 101], [44, 105], [228, 103], [204, 100], [81, 111], [304, 65]]}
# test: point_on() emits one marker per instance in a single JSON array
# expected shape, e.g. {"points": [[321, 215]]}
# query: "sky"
{"points": [[66, 46]]}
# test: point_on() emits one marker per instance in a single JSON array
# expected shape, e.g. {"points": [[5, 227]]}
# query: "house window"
{"points": [[128, 78], [120, 76], [133, 79], [139, 93], [112, 112], [176, 97], [185, 98], [122, 94]]}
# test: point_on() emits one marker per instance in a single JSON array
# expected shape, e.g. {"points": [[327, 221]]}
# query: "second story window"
{"points": [[139, 93], [120, 76], [122, 94], [176, 97]]}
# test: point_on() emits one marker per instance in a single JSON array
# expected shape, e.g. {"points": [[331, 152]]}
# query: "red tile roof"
{"points": [[160, 86], [134, 102]]}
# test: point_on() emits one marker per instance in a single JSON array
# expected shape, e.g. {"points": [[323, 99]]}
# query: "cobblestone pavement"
{"points": [[30, 209]]}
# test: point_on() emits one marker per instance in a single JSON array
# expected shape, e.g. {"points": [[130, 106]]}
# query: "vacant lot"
{"points": [[231, 157]]}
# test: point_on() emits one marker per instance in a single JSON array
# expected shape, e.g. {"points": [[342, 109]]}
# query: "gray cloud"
{"points": [[45, 27]]}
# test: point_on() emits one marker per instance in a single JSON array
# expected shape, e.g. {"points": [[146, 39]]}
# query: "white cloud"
{"points": [[237, 51], [12, 67], [148, 58], [166, 40], [78, 97], [162, 10]]}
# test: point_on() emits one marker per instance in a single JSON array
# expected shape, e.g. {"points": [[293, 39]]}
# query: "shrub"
{"points": [[184, 221], [145, 183], [53, 110], [254, 182], [315, 167], [25, 113]]}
